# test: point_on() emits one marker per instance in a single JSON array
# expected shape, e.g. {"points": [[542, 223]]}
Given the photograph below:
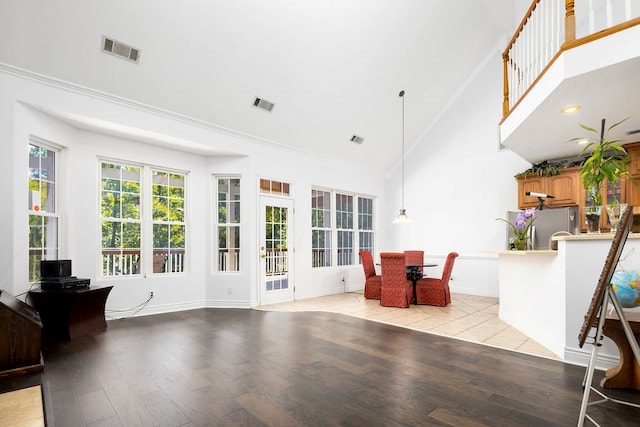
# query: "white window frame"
{"points": [[355, 230], [174, 262], [369, 218], [33, 272], [146, 265], [327, 231], [216, 250]]}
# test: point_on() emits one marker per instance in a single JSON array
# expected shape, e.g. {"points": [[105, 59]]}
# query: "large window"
{"points": [[335, 223], [228, 205], [365, 224], [130, 210], [44, 219], [321, 228], [344, 226], [121, 220], [169, 226]]}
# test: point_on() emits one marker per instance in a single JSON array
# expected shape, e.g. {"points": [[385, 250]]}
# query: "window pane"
{"points": [[43, 242], [177, 236], [48, 197], [321, 248], [222, 238], [345, 247], [130, 206], [42, 178], [160, 236], [131, 235], [176, 210], [111, 234], [121, 219]]}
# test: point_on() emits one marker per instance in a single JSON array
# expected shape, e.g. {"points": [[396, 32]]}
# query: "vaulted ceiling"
{"points": [[333, 68]]}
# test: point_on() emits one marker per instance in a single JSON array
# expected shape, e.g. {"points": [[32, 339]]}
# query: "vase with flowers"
{"points": [[521, 228]]}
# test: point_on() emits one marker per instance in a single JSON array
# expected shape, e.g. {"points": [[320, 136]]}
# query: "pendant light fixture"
{"points": [[402, 218]]}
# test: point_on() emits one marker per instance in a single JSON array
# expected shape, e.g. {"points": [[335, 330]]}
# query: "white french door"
{"points": [[276, 250]]}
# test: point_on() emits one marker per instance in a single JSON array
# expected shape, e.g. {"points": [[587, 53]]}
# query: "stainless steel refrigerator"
{"points": [[548, 221]]}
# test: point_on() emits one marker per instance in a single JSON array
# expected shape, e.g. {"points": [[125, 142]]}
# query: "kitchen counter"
{"points": [[546, 293]]}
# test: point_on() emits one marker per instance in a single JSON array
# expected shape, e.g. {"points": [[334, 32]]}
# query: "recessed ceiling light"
{"points": [[570, 109], [583, 141]]}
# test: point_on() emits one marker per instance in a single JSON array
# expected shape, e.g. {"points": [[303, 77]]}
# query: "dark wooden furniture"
{"points": [[70, 313], [20, 337], [627, 373]]}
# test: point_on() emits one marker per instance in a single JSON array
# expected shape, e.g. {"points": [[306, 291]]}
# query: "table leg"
{"points": [[414, 300]]}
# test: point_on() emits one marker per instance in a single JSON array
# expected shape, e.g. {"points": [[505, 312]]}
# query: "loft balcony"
{"points": [[561, 55]]}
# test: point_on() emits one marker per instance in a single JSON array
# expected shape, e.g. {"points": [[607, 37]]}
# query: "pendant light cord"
{"points": [[402, 97]]}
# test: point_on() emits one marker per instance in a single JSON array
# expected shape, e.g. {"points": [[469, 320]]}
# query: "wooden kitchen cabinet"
{"points": [[566, 189], [634, 153]]}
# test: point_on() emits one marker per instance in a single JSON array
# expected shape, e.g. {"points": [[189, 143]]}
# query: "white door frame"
{"points": [[282, 286]]}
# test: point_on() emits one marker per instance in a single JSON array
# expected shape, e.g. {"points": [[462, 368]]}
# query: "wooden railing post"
{"points": [[505, 99], [569, 21]]}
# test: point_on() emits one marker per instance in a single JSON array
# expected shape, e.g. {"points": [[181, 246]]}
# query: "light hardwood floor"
{"points": [[468, 317]]}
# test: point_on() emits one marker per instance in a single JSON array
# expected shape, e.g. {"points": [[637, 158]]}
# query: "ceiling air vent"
{"points": [[120, 49], [357, 139], [263, 104]]}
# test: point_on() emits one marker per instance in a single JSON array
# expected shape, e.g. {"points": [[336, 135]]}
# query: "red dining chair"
{"points": [[372, 282], [415, 258], [434, 291], [396, 290]]}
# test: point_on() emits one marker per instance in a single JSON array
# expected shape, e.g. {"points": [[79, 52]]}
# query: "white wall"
{"points": [[23, 101], [457, 184]]}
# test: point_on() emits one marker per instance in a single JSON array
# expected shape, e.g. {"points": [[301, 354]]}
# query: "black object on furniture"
{"points": [[56, 274], [70, 313], [20, 337]]}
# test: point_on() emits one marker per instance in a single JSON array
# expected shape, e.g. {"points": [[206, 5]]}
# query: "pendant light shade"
{"points": [[402, 218]]}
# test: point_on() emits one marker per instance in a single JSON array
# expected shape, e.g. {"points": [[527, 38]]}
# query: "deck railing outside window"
{"points": [[229, 260], [552, 26], [119, 263], [319, 257], [276, 262]]}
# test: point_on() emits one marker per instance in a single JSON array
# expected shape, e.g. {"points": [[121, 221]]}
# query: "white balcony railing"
{"points": [[552, 26]]}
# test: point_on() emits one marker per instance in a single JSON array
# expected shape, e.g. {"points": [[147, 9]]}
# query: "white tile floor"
{"points": [[468, 317]]}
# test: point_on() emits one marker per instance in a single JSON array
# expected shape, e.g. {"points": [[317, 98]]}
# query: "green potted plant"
{"points": [[608, 161]]}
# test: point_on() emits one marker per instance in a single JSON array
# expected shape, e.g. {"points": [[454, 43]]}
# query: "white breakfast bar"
{"points": [[546, 293]]}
